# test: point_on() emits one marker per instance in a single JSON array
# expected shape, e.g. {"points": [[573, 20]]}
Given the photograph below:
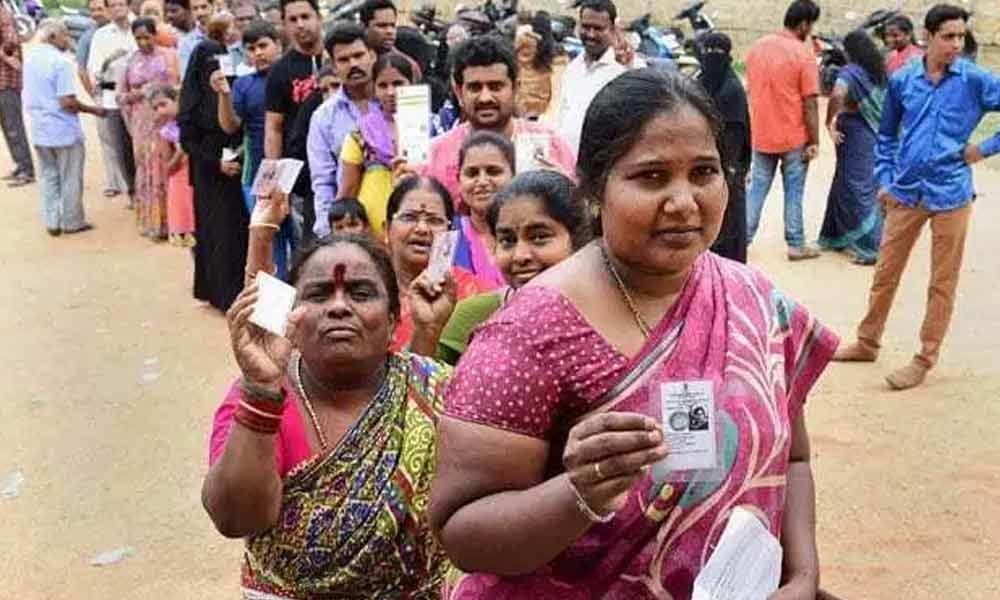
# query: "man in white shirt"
{"points": [[591, 70], [109, 47]]}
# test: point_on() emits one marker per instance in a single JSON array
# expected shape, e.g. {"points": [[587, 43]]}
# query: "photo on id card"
{"points": [[689, 418]]}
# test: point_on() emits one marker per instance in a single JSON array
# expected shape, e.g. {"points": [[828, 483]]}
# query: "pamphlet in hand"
{"points": [[280, 174], [442, 255], [275, 300], [413, 111], [530, 147], [108, 100], [226, 64], [230, 155], [745, 565]]}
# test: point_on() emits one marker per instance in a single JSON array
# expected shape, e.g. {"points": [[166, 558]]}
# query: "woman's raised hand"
{"points": [[607, 453], [261, 355], [431, 303], [402, 169], [270, 209]]}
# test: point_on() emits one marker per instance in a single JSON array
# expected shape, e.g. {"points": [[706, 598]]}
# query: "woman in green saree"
{"points": [[537, 222], [323, 452]]}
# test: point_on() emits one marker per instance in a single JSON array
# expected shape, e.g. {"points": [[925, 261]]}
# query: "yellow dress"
{"points": [[376, 183]]}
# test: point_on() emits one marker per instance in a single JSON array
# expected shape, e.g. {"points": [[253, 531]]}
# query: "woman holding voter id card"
{"points": [[322, 452], [602, 427]]}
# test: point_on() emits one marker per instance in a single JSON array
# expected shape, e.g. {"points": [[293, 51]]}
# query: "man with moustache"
{"points": [[591, 70], [178, 14], [485, 82], [290, 83], [379, 19], [338, 116]]}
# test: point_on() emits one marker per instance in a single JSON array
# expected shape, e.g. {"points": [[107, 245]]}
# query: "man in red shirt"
{"points": [[11, 118], [783, 82]]}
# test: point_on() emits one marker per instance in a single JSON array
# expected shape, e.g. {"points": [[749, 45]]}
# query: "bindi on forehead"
{"points": [[339, 271]]}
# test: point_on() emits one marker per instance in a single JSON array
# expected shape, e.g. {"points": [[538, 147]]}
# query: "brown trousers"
{"points": [[903, 225]]}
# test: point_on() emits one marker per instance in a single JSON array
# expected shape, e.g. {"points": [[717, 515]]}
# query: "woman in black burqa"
{"points": [[726, 90], [221, 217]]}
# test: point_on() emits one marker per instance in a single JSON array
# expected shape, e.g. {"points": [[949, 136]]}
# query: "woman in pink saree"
{"points": [[149, 67], [551, 481]]}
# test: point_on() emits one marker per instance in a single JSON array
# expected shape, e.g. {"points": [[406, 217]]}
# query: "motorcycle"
{"points": [[670, 43]]}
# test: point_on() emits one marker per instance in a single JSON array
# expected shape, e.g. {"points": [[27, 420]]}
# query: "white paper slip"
{"points": [[745, 565], [413, 110], [275, 300], [442, 255], [108, 100], [689, 426], [272, 174], [529, 147], [230, 155], [226, 64]]}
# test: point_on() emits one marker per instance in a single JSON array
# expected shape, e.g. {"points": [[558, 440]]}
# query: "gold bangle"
{"points": [[264, 226]]}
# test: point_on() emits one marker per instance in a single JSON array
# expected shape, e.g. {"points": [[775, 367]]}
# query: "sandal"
{"points": [[111, 193], [21, 181]]}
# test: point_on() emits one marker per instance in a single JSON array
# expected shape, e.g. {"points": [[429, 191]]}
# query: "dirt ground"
{"points": [[111, 373]]}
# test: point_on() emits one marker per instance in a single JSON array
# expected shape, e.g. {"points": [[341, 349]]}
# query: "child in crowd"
{"points": [[328, 81], [347, 215], [180, 194]]}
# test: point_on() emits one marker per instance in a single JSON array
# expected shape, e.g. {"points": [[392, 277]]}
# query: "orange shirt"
{"points": [[781, 74]]}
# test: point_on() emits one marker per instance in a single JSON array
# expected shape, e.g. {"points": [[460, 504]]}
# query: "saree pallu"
{"points": [[760, 351], [353, 521]]}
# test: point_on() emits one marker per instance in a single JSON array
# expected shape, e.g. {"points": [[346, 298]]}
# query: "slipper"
{"points": [[84, 227], [15, 174], [111, 193], [21, 181], [54, 232]]}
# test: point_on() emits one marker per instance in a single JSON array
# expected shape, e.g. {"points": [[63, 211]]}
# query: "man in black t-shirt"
{"points": [[291, 81]]}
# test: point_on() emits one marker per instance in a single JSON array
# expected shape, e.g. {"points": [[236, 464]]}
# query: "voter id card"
{"points": [[690, 429]]}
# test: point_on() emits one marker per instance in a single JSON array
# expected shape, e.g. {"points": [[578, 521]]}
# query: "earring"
{"points": [[595, 210]]}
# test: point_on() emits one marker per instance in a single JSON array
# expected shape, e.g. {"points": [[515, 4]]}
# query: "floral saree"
{"points": [[352, 521], [537, 368]]}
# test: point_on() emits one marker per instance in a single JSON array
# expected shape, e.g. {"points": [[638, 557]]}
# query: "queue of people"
{"points": [[503, 431]]}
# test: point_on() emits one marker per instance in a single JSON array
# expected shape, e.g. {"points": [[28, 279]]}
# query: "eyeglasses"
{"points": [[432, 221]]}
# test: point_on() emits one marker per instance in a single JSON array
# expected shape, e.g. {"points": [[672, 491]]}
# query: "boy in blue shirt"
{"points": [[923, 165], [243, 105]]}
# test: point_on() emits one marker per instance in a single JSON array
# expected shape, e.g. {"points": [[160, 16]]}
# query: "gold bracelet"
{"points": [[588, 512], [264, 226]]}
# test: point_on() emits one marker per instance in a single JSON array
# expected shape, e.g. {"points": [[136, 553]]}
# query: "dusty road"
{"points": [[110, 373]]}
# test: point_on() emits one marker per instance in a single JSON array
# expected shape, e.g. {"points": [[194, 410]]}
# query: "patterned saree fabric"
{"points": [[352, 521]]}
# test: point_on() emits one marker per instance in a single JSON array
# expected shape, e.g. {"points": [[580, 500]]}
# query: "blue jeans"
{"points": [[793, 176]]}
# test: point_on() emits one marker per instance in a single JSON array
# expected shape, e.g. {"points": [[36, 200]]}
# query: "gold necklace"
{"points": [[644, 327], [323, 444]]}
